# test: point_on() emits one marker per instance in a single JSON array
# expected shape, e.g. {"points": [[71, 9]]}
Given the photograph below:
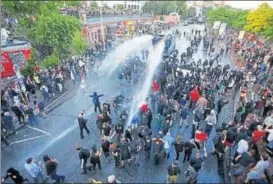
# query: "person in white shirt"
{"points": [[269, 129], [268, 120], [243, 146], [34, 170]]}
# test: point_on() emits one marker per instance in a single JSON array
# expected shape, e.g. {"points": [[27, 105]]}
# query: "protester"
{"points": [[15, 176], [51, 165], [34, 170]]}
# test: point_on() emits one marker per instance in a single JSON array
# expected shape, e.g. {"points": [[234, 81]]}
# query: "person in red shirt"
{"points": [[200, 137], [155, 86], [257, 134], [194, 96], [37, 68], [144, 108]]}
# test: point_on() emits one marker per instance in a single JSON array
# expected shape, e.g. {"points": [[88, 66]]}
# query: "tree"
{"points": [[240, 20], [51, 34], [261, 21], [79, 44], [73, 3], [29, 67], [120, 7], [163, 7], [191, 11], [93, 5], [182, 8], [234, 18], [56, 31], [51, 61], [41, 24]]}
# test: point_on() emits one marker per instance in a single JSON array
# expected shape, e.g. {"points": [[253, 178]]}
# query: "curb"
{"points": [[49, 107], [61, 99]]}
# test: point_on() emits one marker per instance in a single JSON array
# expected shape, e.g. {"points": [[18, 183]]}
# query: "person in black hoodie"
{"points": [[178, 145], [15, 176], [82, 123], [188, 147], [17, 111], [95, 157], [84, 155], [51, 165], [149, 118]]}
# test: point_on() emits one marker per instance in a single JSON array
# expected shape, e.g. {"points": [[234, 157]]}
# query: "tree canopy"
{"points": [[48, 31], [165, 7], [120, 7], [234, 18], [261, 21]]}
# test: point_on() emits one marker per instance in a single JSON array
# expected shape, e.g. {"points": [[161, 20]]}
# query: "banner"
{"points": [[222, 29], [216, 24], [241, 35], [9, 59]]}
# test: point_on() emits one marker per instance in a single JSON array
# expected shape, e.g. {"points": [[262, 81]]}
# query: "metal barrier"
{"points": [[228, 153]]}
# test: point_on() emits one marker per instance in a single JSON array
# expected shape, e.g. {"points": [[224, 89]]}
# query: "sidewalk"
{"points": [[57, 100]]}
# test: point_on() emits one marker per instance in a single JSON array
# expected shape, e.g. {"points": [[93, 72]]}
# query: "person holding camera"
{"points": [[82, 123]]}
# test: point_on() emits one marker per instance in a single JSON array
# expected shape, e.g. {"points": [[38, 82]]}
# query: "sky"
{"points": [[247, 4]]}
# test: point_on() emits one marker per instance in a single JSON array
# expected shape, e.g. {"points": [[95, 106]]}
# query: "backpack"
{"points": [[86, 153], [190, 175]]}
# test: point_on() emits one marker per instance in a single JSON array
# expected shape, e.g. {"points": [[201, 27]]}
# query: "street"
{"points": [[59, 134]]}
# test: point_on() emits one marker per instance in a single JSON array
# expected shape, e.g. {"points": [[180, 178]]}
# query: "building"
{"points": [[96, 32]]}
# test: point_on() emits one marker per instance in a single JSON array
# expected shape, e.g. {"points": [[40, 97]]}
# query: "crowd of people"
{"points": [[96, 12], [183, 88], [185, 95], [20, 107]]}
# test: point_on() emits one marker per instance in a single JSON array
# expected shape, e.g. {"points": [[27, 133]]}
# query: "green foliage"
{"points": [[234, 18], [73, 3], [40, 23], [93, 5], [182, 8], [51, 61], [56, 30], [79, 44], [28, 70], [191, 11], [29, 67], [120, 7], [161, 7], [261, 21]]}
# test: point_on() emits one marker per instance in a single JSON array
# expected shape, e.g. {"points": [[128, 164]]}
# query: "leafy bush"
{"points": [[51, 61]]}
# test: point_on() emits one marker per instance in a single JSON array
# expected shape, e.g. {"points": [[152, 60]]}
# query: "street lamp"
{"points": [[101, 25]]}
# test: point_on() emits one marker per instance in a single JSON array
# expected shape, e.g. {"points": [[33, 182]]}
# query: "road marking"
{"points": [[39, 130], [64, 133], [28, 139]]}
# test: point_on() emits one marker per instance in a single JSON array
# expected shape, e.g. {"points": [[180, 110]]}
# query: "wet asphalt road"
{"points": [[61, 135]]}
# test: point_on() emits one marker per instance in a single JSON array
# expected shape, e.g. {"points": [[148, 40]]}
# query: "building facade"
{"points": [[97, 33]]}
